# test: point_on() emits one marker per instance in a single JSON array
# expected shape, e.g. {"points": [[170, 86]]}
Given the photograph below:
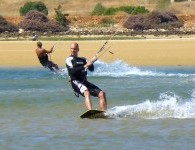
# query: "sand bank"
{"points": [[158, 52]]}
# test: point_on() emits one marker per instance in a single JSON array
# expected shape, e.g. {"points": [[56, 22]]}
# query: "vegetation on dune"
{"points": [[37, 21], [99, 9], [7, 26], [60, 17], [106, 19], [154, 20], [37, 5], [106, 22]]}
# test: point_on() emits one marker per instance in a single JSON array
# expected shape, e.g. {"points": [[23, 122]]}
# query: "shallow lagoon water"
{"points": [[148, 107]]}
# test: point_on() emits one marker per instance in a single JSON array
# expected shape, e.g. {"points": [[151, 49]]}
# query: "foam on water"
{"points": [[169, 105], [116, 68], [119, 68]]}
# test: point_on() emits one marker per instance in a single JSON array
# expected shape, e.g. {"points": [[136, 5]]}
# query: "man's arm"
{"points": [[48, 51], [89, 65]]}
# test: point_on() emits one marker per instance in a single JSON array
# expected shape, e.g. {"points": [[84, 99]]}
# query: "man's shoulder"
{"points": [[41, 49], [69, 59], [82, 58]]}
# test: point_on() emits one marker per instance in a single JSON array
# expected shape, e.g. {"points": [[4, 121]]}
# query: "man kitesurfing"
{"points": [[77, 69], [42, 55]]}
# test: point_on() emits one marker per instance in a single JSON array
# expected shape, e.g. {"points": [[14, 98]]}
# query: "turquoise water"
{"points": [[149, 108]]}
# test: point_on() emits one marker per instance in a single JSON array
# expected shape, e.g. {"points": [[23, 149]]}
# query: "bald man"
{"points": [[77, 69]]}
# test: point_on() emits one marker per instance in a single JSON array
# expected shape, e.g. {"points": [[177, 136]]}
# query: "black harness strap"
{"points": [[76, 94]]}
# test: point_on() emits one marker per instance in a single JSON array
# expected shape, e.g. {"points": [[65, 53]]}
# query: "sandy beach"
{"points": [[149, 52]]}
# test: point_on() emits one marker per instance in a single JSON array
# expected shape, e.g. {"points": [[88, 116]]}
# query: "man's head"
{"points": [[74, 48], [39, 44]]}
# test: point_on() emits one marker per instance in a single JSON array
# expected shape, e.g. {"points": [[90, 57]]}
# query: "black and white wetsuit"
{"points": [[78, 76], [48, 64]]}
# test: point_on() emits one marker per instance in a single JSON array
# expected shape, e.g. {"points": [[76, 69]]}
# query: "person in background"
{"points": [[34, 37], [42, 55], [77, 69]]}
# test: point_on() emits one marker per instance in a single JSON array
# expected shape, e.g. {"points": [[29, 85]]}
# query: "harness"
{"points": [[43, 60]]}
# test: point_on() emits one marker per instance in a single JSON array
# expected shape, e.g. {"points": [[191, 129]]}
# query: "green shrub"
{"points": [[60, 17], [39, 6], [111, 11], [106, 22], [99, 9], [180, 0], [133, 10], [140, 10], [127, 9]]}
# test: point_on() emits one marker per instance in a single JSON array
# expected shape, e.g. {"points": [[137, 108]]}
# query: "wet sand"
{"points": [[156, 52]]}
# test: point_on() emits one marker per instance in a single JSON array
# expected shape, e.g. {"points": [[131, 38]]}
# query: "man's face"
{"points": [[74, 50]]}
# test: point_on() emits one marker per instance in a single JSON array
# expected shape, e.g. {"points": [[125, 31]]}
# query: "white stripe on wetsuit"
{"points": [[81, 87]]}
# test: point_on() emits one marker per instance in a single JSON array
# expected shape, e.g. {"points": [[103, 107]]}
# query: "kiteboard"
{"points": [[94, 114]]}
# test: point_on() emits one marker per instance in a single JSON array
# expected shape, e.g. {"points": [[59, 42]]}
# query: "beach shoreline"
{"points": [[144, 52]]}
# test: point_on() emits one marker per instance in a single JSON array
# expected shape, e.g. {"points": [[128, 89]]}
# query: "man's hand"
{"points": [[52, 48], [88, 64], [94, 59]]}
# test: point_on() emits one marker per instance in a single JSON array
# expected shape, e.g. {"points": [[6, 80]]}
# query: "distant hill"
{"points": [[84, 7]]}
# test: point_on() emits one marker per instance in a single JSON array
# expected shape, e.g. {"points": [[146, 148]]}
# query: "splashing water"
{"points": [[119, 68], [169, 105]]}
